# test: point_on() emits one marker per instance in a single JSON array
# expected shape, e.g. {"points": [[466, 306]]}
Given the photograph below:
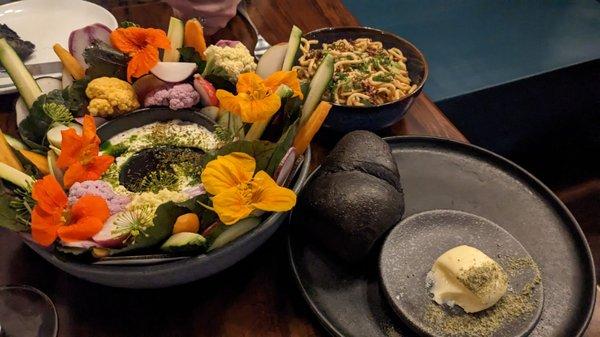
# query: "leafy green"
{"points": [[104, 60], [8, 214], [113, 150], [34, 127], [164, 219], [74, 96], [221, 82], [282, 147], [127, 24], [189, 54], [261, 150]]}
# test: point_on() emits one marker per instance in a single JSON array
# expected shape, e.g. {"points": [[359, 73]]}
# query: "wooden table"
{"points": [[256, 297]]}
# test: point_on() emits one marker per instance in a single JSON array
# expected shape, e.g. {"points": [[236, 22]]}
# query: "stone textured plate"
{"points": [[442, 174], [414, 244]]}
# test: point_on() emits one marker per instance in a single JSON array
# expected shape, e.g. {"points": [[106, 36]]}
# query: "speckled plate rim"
{"points": [[498, 159], [167, 268]]}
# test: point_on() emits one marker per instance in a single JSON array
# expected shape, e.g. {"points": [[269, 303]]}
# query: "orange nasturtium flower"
{"points": [[238, 191], [142, 45], [51, 216], [79, 154], [256, 99]]}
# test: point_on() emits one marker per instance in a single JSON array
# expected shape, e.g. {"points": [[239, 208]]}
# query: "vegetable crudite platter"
{"points": [[409, 236], [157, 159]]}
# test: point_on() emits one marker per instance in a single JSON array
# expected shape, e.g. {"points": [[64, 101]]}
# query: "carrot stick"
{"points": [[69, 62], [310, 128], [7, 156], [194, 36]]}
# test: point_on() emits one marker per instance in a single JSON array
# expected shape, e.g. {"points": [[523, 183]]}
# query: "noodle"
{"points": [[364, 72]]}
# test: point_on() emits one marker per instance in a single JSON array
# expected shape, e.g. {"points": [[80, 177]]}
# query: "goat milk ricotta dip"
{"points": [[158, 162]]}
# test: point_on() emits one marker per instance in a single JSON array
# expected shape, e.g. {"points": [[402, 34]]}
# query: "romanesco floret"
{"points": [[110, 97], [229, 61]]}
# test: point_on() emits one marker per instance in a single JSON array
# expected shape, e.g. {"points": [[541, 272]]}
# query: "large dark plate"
{"points": [[442, 174], [182, 271]]}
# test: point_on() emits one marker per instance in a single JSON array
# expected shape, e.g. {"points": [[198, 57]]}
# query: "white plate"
{"points": [[46, 22]]}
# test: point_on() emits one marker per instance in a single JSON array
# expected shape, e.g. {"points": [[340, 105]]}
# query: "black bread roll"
{"points": [[354, 198], [363, 151]]}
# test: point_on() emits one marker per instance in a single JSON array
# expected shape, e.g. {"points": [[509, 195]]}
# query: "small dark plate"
{"points": [[343, 118], [442, 174], [415, 243]]}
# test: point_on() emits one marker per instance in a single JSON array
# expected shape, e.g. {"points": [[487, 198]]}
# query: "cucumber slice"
{"points": [[27, 86], [293, 45], [272, 60], [15, 176], [15, 143], [317, 87], [234, 231], [175, 35], [183, 242]]}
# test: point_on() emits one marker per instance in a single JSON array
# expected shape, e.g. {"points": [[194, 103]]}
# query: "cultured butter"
{"points": [[466, 277]]}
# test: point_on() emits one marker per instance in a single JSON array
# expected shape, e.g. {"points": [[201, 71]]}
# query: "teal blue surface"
{"points": [[476, 44]]}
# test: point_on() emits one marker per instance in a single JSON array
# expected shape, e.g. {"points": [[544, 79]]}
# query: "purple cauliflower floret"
{"points": [[175, 96], [116, 203]]}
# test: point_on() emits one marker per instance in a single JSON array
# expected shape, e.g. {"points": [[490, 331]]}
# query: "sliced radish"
{"points": [[85, 244], [83, 38], [227, 43], [54, 135], [272, 60], [46, 84], [211, 112], [106, 236], [66, 78], [208, 94], [97, 120], [174, 72], [145, 84], [285, 167]]}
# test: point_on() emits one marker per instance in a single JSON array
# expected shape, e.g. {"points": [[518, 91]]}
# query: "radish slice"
{"points": [[98, 120], [227, 43], [211, 112], [105, 236], [285, 167], [145, 84], [83, 38], [174, 72], [66, 79], [208, 94], [85, 244]]}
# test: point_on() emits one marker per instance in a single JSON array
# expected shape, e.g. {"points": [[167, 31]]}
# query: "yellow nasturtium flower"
{"points": [[238, 191], [257, 100]]}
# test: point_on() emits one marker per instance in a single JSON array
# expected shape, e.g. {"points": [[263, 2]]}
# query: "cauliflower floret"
{"points": [[178, 96], [229, 61], [110, 97]]}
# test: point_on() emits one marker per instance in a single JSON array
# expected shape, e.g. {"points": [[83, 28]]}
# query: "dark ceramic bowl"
{"points": [[344, 118], [182, 271]]}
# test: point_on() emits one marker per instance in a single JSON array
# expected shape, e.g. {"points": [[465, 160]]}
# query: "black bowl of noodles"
{"points": [[375, 89]]}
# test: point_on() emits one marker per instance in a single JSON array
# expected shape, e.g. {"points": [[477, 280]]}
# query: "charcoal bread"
{"points": [[353, 199]]}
